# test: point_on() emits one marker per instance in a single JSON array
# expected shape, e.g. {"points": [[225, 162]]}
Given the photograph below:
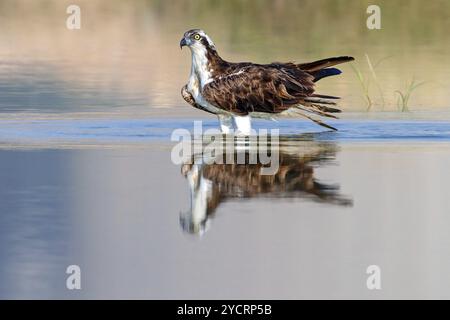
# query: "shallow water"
{"points": [[67, 132]]}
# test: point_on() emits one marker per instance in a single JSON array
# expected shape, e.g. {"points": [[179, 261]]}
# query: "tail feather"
{"points": [[324, 63], [318, 104], [324, 96], [321, 104], [305, 110], [326, 108], [319, 112], [319, 100], [323, 73], [319, 122]]}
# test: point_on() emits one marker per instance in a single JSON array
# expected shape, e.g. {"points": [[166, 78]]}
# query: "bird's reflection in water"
{"points": [[299, 157]]}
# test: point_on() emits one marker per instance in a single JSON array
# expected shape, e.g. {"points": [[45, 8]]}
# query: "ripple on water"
{"points": [[138, 130]]}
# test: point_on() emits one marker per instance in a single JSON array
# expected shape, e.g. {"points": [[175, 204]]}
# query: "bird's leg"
{"points": [[243, 125], [226, 123]]}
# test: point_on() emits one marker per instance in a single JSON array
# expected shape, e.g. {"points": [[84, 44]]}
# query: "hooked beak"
{"points": [[183, 43]]}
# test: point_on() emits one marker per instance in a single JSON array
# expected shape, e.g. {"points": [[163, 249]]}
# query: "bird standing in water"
{"points": [[238, 92]]}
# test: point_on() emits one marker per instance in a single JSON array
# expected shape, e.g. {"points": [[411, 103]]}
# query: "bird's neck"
{"points": [[206, 63]]}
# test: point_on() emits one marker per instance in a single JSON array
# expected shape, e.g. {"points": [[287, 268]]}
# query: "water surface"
{"points": [[126, 215]]}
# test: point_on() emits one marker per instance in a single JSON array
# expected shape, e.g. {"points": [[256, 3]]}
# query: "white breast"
{"points": [[199, 77]]}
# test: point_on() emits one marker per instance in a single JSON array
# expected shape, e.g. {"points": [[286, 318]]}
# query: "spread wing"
{"points": [[269, 88]]}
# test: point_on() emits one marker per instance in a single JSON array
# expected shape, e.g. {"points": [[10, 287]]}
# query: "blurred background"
{"points": [[126, 58]]}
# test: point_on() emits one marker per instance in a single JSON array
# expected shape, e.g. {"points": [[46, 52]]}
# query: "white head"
{"points": [[204, 54], [198, 41]]}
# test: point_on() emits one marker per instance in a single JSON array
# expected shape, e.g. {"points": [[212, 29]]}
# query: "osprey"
{"points": [[236, 92]]}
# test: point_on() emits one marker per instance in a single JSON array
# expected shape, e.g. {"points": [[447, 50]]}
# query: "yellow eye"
{"points": [[197, 37]]}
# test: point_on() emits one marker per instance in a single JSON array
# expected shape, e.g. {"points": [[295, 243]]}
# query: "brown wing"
{"points": [[259, 88]]}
